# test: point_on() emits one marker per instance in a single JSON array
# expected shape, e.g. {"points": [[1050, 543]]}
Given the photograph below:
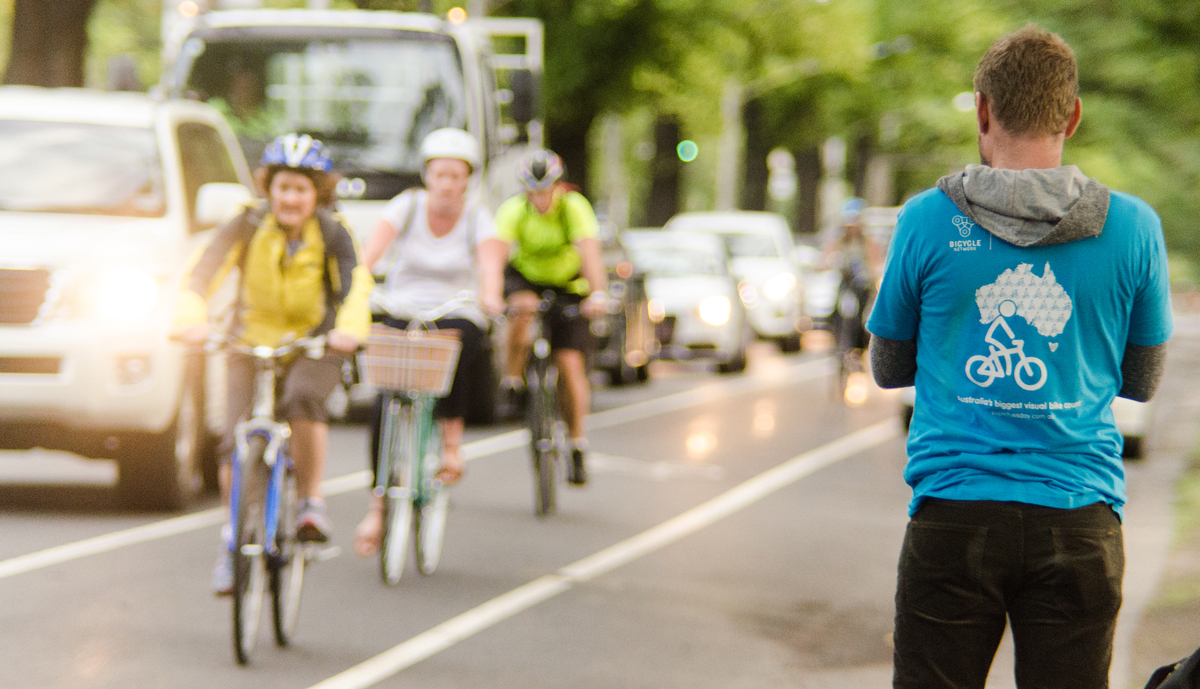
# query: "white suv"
{"points": [[104, 198]]}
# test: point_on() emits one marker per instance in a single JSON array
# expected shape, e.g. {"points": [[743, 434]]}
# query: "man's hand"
{"points": [[596, 305], [342, 341], [195, 334]]}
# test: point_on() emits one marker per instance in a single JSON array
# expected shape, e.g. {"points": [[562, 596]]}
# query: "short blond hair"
{"points": [[1031, 80]]}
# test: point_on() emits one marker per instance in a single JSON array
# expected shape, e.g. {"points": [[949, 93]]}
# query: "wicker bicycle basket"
{"points": [[411, 360]]}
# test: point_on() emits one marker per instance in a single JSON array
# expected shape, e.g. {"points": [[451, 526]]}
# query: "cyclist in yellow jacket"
{"points": [[299, 276]]}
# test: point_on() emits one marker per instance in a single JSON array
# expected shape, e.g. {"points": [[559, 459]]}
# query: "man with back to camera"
{"points": [[1019, 296]]}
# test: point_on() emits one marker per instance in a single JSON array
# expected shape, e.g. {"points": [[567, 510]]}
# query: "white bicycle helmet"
{"points": [[451, 143]]}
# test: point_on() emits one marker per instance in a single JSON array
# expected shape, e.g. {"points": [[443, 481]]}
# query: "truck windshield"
{"points": [[372, 100], [68, 167]]}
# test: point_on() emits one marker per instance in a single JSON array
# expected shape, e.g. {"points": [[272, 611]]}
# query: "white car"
{"points": [[769, 280], [1132, 418], [693, 300], [104, 198]]}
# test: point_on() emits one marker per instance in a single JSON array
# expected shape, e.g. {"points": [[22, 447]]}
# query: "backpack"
{"points": [[1182, 675]]}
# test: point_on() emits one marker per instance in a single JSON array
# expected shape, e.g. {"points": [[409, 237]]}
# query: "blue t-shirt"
{"points": [[1019, 351]]}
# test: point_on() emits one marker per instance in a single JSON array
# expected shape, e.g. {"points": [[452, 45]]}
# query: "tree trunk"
{"points": [[49, 40], [569, 141], [664, 183], [808, 178], [754, 184]]}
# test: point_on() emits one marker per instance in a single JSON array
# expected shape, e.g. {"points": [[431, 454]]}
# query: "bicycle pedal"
{"points": [[314, 553]]}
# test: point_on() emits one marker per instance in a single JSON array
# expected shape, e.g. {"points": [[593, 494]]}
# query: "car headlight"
{"points": [[715, 310], [656, 310], [778, 286], [747, 292], [125, 293]]}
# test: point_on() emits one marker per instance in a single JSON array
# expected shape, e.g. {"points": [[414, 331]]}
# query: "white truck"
{"points": [[370, 85]]}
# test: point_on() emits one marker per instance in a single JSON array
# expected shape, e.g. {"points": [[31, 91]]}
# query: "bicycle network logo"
{"points": [[964, 225], [1041, 302]]}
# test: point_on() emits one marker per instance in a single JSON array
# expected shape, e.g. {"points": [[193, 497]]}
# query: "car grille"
{"points": [[22, 292], [35, 365]]}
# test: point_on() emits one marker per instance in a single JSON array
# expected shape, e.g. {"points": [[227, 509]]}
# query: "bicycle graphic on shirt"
{"points": [[1029, 372]]}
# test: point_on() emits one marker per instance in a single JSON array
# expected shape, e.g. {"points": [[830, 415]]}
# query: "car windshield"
{"points": [[371, 100], [69, 167], [747, 245], [676, 261]]}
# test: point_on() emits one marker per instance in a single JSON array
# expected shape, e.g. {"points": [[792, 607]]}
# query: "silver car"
{"points": [[761, 259], [694, 301]]}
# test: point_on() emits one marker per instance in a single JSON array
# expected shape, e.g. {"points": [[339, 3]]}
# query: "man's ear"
{"points": [[983, 115], [1073, 121]]}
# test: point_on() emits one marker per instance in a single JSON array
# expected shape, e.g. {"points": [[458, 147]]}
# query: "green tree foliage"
{"points": [[124, 27]]}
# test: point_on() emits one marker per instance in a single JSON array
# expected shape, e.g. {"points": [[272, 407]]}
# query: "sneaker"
{"points": [[222, 575], [577, 472], [513, 402], [312, 526]]}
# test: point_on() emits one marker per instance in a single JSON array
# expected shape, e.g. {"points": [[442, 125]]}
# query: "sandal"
{"points": [[368, 534], [449, 475]]}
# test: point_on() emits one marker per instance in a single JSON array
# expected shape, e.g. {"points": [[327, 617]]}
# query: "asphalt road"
{"points": [[736, 532]]}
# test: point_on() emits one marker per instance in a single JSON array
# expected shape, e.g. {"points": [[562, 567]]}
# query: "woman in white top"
{"points": [[443, 247]]}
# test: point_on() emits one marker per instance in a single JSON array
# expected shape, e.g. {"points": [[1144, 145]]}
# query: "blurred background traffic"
{"points": [[718, 140]]}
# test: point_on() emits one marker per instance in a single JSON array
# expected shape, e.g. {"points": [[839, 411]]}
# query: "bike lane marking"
{"points": [[484, 447], [496, 610]]}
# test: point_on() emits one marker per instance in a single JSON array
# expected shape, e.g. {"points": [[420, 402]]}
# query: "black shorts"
{"points": [[567, 326]]}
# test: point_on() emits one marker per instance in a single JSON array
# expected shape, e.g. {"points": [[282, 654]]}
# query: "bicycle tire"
{"points": [[542, 451], [432, 501], [287, 569], [397, 496], [985, 368], [249, 570], [1028, 364]]}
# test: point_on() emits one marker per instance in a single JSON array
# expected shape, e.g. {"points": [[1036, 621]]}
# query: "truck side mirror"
{"points": [[524, 96], [217, 202]]}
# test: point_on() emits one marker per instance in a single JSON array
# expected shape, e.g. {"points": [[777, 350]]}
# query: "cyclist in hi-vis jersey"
{"points": [[299, 276], [552, 231]]}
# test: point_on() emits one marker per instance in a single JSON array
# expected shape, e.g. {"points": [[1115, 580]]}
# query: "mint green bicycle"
{"points": [[413, 368]]}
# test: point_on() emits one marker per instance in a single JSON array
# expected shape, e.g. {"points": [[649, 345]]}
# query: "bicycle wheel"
{"points": [[287, 568], [249, 571], [541, 429], [398, 440], [432, 501]]}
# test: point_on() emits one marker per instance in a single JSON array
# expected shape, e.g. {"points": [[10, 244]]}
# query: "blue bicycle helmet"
{"points": [[852, 210], [298, 151]]}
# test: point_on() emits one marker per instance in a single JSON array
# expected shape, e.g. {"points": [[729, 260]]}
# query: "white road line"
{"points": [[474, 450], [498, 609]]}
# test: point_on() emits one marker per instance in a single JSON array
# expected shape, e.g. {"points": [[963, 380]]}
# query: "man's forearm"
{"points": [[893, 362], [1141, 371]]}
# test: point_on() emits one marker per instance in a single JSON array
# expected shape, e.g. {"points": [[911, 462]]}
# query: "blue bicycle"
{"points": [[262, 503]]}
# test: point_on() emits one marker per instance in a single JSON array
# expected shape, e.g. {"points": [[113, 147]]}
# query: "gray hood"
{"points": [[1035, 207]]}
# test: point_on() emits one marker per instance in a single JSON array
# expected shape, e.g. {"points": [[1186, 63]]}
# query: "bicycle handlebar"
{"points": [[426, 317], [216, 341]]}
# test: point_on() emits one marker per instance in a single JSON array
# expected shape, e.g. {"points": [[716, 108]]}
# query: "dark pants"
{"points": [[966, 566], [457, 402], [306, 386]]}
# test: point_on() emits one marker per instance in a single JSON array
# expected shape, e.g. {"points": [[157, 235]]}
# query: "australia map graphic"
{"points": [[1041, 301]]}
